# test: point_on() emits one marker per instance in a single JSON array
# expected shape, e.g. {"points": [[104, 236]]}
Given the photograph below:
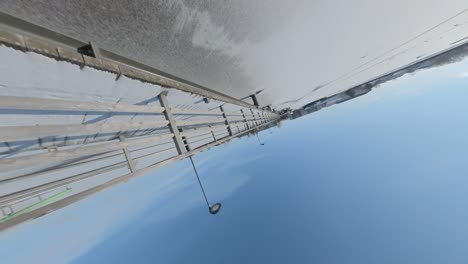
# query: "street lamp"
{"points": [[214, 209], [263, 144]]}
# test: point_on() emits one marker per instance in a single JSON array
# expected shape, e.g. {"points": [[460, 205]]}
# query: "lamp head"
{"points": [[214, 209]]}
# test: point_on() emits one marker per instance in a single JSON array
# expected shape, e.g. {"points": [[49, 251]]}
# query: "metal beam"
{"points": [[36, 104], [17, 133], [254, 99], [199, 122], [193, 112], [172, 124], [25, 193], [125, 178], [202, 130], [15, 167]]}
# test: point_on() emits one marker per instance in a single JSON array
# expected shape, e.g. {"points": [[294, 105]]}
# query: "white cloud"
{"points": [[464, 75]]}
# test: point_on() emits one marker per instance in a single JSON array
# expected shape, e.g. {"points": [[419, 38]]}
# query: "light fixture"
{"points": [[214, 209], [263, 144]]}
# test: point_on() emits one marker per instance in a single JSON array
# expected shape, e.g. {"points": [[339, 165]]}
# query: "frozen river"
{"points": [[297, 51]]}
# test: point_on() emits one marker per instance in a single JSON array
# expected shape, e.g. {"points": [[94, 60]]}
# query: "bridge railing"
{"points": [[116, 152]]}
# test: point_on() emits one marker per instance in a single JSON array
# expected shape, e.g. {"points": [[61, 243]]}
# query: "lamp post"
{"points": [[214, 209], [263, 144]]}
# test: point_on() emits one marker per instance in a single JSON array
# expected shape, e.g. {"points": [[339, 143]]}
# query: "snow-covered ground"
{"points": [[297, 51]]}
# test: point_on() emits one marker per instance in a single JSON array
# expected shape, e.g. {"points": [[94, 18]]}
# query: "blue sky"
{"points": [[379, 179]]}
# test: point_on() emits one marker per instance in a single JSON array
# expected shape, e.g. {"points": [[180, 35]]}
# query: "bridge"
{"points": [[111, 120]]}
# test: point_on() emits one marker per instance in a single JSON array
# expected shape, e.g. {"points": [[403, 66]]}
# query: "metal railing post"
{"points": [[130, 161], [172, 124], [253, 116], [184, 140], [260, 117], [245, 119], [213, 134], [226, 121]]}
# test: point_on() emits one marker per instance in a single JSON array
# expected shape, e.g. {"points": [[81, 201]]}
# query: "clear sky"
{"points": [[379, 179]]}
